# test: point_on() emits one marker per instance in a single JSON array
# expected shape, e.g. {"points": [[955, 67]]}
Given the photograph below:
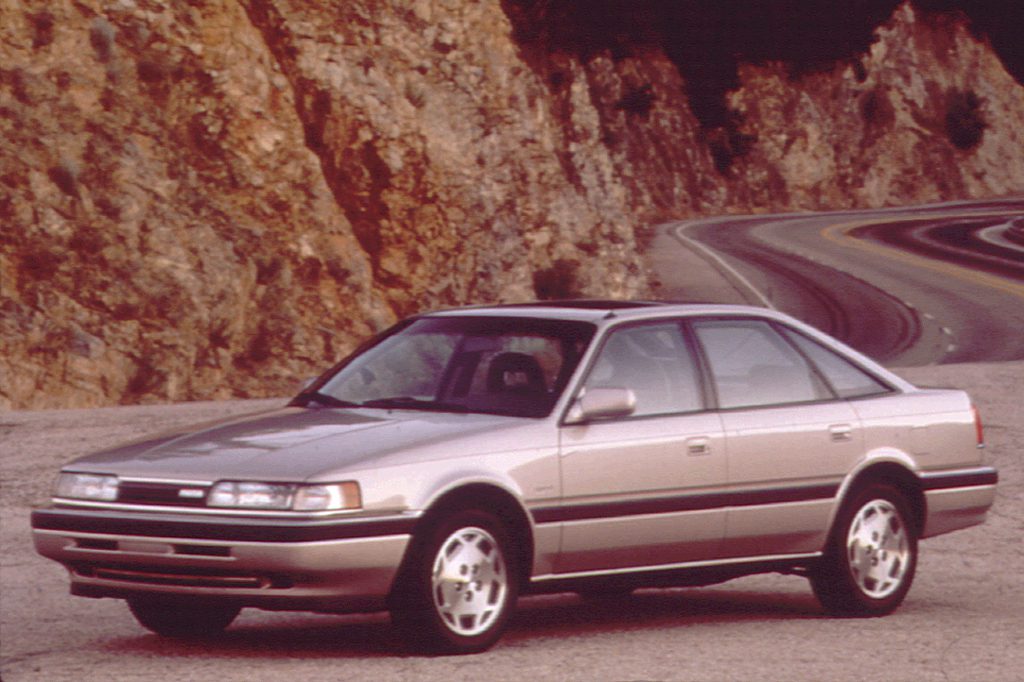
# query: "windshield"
{"points": [[514, 366]]}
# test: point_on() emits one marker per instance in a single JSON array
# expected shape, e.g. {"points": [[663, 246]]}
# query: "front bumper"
{"points": [[320, 564]]}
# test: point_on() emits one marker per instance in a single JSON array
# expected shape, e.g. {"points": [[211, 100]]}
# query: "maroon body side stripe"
{"points": [[679, 503], [960, 479]]}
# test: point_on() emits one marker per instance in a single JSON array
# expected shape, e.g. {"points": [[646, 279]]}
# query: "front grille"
{"points": [[166, 494], [202, 550]]}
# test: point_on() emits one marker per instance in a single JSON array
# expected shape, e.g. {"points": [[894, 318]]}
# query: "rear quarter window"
{"points": [[847, 379]]}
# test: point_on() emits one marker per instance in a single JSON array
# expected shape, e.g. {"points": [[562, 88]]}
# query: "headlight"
{"points": [[87, 486], [253, 495], [326, 497]]}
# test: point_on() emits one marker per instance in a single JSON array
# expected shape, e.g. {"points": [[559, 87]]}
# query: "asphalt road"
{"points": [[909, 287]]}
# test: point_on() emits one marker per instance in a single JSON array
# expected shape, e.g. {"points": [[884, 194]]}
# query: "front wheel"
{"points": [[181, 618], [871, 557], [459, 588]]}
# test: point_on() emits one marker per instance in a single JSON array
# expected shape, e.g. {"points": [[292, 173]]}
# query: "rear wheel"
{"points": [[181, 618], [870, 561], [459, 587]]}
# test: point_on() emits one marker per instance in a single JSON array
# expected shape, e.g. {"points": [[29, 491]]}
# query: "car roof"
{"points": [[594, 310], [605, 313]]}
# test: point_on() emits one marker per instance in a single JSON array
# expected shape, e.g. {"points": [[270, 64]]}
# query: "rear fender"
{"points": [[890, 465]]}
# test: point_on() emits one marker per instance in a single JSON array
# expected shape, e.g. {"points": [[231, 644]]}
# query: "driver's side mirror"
{"points": [[602, 403]]}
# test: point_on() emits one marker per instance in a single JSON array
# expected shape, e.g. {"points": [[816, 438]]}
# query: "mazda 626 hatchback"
{"points": [[465, 457]]}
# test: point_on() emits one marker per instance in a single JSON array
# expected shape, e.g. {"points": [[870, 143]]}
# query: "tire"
{"points": [[871, 556], [170, 617], [459, 586]]}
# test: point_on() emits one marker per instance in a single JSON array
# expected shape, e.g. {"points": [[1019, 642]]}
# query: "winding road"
{"points": [[911, 286]]}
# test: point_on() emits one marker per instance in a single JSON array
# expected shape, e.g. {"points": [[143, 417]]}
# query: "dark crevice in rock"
{"points": [[366, 210], [42, 24], [559, 282], [965, 123], [357, 180], [638, 101]]}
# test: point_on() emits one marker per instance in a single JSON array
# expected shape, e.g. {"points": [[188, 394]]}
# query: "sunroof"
{"points": [[585, 304]]}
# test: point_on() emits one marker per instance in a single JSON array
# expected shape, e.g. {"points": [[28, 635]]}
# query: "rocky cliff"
{"points": [[213, 199]]}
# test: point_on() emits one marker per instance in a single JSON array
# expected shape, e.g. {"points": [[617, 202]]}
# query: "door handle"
{"points": [[841, 433], [698, 446]]}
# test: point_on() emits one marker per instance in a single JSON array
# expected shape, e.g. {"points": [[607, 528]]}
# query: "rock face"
{"points": [[927, 114], [213, 199]]}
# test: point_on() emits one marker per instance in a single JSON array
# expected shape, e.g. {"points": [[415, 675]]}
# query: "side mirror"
{"points": [[602, 403]]}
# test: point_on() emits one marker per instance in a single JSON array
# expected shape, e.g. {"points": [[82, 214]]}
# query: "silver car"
{"points": [[465, 457]]}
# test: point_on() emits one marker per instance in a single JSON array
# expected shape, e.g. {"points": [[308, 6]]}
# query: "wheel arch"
{"points": [[896, 475], [489, 498]]}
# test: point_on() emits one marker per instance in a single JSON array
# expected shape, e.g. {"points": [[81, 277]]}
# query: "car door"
{"points": [[635, 488], [789, 438]]}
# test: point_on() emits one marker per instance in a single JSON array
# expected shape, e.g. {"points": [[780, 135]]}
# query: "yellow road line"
{"points": [[839, 234]]}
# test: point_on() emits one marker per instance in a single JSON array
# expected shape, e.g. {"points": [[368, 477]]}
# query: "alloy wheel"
{"points": [[469, 581]]}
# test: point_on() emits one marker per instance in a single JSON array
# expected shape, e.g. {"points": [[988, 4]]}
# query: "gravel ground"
{"points": [[963, 620]]}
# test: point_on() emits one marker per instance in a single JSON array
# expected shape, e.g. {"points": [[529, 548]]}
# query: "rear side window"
{"points": [[848, 380], [752, 365]]}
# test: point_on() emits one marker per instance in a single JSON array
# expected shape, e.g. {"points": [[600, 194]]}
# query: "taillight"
{"points": [[979, 431]]}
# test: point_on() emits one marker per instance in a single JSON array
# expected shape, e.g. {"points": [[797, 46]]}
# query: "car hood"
{"points": [[296, 444]]}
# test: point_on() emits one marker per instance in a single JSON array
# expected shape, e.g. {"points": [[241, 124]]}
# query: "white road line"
{"points": [[994, 235], [730, 272]]}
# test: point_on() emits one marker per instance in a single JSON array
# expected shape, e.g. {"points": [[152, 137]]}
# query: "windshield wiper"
{"points": [[304, 399], [400, 402], [406, 402]]}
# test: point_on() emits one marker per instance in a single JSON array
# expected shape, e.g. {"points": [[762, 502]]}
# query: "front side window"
{"points": [[751, 365], [654, 362], [513, 366]]}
